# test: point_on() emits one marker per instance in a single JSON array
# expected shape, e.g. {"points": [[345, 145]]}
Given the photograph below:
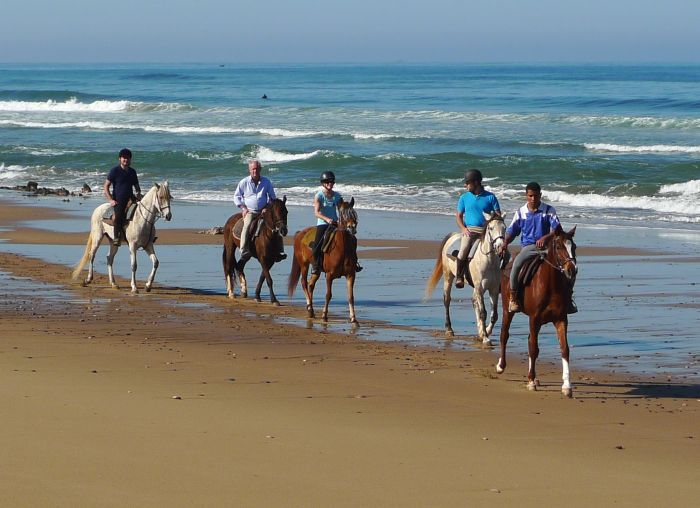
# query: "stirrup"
{"points": [[573, 308], [358, 268], [513, 306], [281, 256], [459, 282]]}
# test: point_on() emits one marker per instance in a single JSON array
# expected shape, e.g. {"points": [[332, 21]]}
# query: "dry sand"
{"points": [[181, 399]]}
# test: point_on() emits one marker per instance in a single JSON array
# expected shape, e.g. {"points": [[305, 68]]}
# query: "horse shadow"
{"points": [[596, 390]]}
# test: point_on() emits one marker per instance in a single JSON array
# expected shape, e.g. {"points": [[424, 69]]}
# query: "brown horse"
{"points": [[546, 299], [339, 260], [266, 247]]}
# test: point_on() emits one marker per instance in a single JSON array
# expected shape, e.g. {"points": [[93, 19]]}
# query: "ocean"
{"points": [[616, 149], [610, 144]]}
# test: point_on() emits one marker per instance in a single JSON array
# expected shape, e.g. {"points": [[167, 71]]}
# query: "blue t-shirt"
{"points": [[123, 182], [533, 225], [474, 206], [328, 205]]}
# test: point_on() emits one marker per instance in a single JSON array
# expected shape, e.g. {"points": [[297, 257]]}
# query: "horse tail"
{"points": [[294, 276], [437, 271], [83, 261]]}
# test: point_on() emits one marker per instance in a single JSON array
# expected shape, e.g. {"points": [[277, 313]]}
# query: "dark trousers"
{"points": [[120, 217], [320, 231]]}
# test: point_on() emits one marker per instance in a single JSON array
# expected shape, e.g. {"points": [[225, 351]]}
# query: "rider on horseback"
{"points": [[252, 195], [123, 179], [470, 218], [538, 222]]}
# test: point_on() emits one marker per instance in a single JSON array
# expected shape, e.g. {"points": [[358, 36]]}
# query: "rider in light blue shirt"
{"points": [[470, 218]]}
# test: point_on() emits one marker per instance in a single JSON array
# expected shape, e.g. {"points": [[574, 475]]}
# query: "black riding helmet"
{"points": [[327, 176], [473, 175]]}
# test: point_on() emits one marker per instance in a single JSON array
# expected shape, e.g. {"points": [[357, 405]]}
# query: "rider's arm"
{"points": [[108, 194], [459, 216], [542, 242], [137, 187]]}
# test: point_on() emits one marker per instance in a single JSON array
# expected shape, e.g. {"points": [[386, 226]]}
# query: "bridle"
{"points": [[160, 210], [492, 240], [348, 220], [279, 224], [562, 262]]}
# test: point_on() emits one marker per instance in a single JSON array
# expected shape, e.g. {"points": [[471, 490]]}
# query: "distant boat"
{"points": [[264, 96]]}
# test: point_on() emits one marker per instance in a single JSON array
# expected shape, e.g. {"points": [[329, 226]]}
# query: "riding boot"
{"points": [[513, 305], [573, 308], [461, 268], [318, 262], [358, 268]]}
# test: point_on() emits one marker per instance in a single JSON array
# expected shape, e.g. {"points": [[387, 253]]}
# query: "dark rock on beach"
{"points": [[34, 189]]}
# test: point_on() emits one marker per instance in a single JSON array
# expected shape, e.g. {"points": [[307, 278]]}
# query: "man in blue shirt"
{"points": [[470, 218], [252, 195], [123, 180], [537, 223]]}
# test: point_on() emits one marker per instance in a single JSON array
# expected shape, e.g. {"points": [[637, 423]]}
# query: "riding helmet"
{"points": [[327, 176], [473, 175]]}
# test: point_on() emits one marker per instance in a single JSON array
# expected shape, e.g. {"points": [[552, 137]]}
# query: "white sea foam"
{"points": [[268, 155], [72, 105], [605, 147], [639, 122], [211, 157], [683, 206], [10, 175], [690, 188]]}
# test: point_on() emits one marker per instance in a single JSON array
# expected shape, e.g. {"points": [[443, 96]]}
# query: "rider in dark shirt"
{"points": [[123, 180]]}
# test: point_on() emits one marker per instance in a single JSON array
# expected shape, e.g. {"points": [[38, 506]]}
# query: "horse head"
{"points": [[564, 249], [278, 215], [162, 200], [495, 231], [347, 216]]}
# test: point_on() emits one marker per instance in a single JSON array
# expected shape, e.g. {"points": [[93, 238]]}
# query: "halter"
{"points": [[278, 225]]}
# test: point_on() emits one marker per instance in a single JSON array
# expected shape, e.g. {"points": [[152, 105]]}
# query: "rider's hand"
{"points": [[540, 243], [139, 196]]}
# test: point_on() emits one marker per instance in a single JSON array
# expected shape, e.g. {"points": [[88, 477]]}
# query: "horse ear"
{"points": [[572, 232], [155, 184], [284, 199], [503, 215], [352, 202]]}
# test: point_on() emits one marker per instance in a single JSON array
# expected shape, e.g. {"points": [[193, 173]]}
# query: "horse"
{"points": [[140, 233], [266, 247], [546, 299], [339, 260], [485, 271]]}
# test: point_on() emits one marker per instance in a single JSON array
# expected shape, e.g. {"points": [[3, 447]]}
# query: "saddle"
{"points": [[254, 230], [470, 256], [527, 272], [108, 216], [326, 242]]}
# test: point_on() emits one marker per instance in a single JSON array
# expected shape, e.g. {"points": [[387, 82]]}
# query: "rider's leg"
{"points": [[318, 251], [573, 308], [245, 234], [119, 219], [525, 253], [463, 259]]}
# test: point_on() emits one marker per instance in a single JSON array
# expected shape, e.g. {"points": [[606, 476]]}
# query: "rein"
{"points": [[492, 242], [158, 213], [558, 267]]}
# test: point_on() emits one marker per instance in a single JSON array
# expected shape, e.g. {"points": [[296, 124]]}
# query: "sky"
{"points": [[291, 31]]}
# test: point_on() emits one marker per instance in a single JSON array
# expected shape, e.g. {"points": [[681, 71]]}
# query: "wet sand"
{"points": [[180, 397]]}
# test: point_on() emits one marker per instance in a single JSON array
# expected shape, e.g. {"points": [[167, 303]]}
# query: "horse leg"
{"points": [[268, 278], [229, 262], [562, 327], [480, 312], [493, 295], [150, 250], [329, 295], [91, 267], [447, 299], [110, 259], [351, 298], [505, 334], [533, 351], [308, 287], [132, 255], [244, 283]]}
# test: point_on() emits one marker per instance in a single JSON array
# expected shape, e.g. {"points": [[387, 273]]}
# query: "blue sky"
{"points": [[350, 31]]}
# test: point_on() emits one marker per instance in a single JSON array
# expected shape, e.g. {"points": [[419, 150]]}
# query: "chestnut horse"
{"points": [[340, 260], [545, 299], [266, 247]]}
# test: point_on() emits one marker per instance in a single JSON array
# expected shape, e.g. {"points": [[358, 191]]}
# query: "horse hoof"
{"points": [[532, 386], [449, 333], [499, 369], [354, 322], [567, 392], [486, 342], [148, 289], [114, 286], [276, 303], [244, 295]]}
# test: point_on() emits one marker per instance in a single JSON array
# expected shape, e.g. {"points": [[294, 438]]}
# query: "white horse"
{"points": [[140, 233], [485, 271]]}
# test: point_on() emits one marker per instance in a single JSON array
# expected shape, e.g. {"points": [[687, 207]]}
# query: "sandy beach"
{"points": [[181, 397]]}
